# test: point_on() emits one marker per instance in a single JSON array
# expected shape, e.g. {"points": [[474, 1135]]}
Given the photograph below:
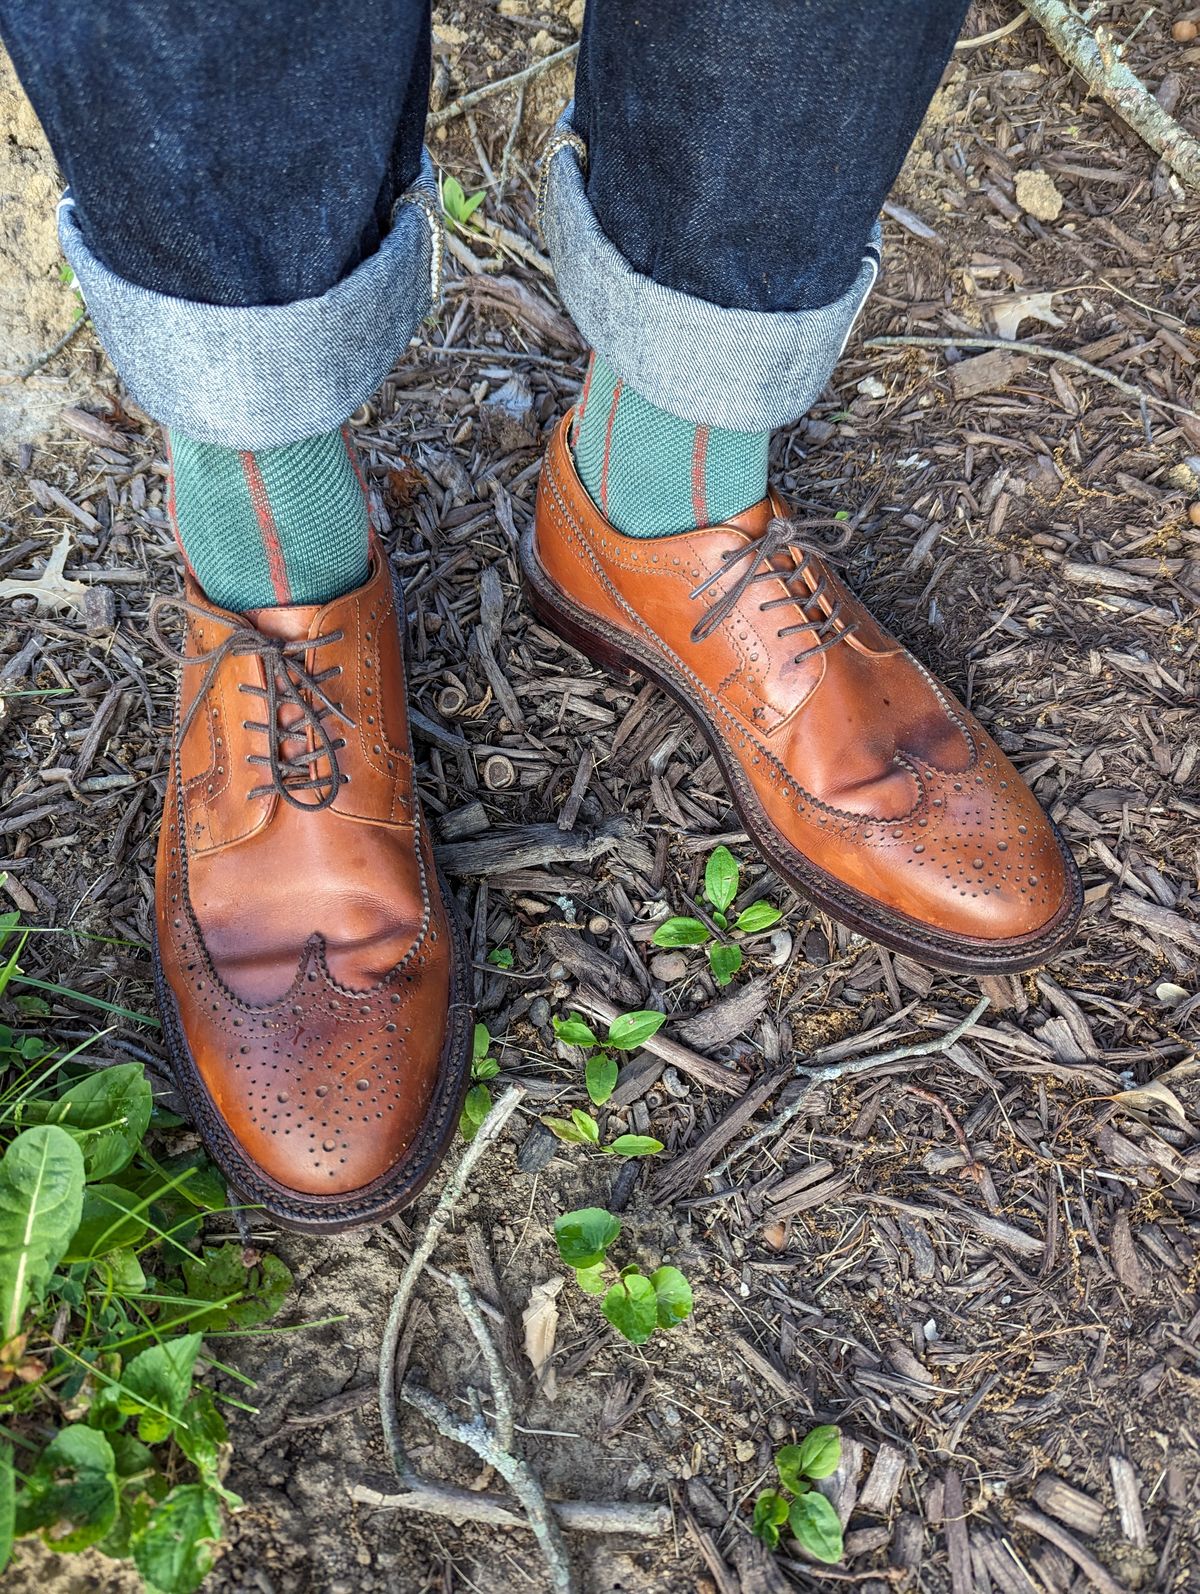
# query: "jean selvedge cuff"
{"points": [[747, 370], [260, 376]]}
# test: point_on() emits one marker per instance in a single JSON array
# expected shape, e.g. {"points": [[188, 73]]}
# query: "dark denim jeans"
{"points": [[733, 154]]}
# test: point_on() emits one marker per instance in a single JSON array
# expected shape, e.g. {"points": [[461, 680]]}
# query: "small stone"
{"points": [[1038, 196], [781, 947], [744, 1450], [1194, 514], [1170, 994], [539, 1012], [668, 966], [872, 387], [1184, 32]]}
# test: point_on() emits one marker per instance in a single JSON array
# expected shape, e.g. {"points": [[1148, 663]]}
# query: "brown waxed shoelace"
{"points": [[288, 681], [780, 537]]}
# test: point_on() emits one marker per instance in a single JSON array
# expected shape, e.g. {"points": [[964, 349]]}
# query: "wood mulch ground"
{"points": [[981, 1262]]}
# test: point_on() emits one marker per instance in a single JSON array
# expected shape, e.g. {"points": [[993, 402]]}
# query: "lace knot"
{"points": [[288, 682]]}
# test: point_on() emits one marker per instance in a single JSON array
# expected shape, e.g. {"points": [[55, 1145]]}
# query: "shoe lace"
{"points": [[288, 681], [782, 537]]}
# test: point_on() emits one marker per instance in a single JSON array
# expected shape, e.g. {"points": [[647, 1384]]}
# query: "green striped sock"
{"points": [[650, 473], [281, 525]]}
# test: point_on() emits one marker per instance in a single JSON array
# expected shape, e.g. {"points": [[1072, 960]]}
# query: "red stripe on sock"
{"points": [[266, 524], [583, 397], [172, 515], [699, 497], [608, 431], [355, 465]]}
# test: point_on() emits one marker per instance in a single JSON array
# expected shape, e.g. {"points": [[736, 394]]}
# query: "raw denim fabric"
{"points": [[741, 150], [235, 171], [710, 364], [226, 152], [260, 376]]}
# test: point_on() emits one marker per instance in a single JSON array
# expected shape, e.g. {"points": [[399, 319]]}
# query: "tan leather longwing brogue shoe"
{"points": [[863, 782], [312, 976]]}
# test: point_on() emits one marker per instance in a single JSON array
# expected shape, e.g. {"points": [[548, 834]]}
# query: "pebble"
{"points": [[539, 1012], [668, 966], [673, 1085], [744, 1449], [781, 947], [1194, 514]]}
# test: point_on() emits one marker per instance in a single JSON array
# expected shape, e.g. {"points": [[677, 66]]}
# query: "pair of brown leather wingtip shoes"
{"points": [[312, 975]]}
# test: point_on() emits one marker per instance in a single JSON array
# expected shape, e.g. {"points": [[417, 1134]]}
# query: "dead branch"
{"points": [[1037, 349], [1097, 57], [858, 1065], [463, 1505], [438, 1219], [466, 102]]}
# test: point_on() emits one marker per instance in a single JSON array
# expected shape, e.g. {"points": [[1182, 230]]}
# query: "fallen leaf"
{"points": [[52, 589], [1155, 1094], [540, 1318], [1009, 312]]}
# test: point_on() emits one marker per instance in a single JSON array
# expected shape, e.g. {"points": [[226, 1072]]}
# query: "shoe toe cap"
{"points": [[326, 1093]]}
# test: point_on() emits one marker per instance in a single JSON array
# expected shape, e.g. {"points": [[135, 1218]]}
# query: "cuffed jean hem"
{"points": [[259, 376], [747, 370]]}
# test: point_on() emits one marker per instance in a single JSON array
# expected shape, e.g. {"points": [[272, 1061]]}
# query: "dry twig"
{"points": [[1097, 57], [438, 1219], [466, 102], [1016, 346], [857, 1065]]}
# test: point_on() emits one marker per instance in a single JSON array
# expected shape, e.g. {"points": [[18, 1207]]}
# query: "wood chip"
{"points": [[885, 1477]]}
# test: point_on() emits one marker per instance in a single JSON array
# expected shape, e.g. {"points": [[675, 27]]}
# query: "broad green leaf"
{"points": [[591, 1279], [770, 1513], [485, 1068], [564, 1129], [72, 1492], [107, 1112], [680, 932], [41, 1198], [452, 196], [155, 1386], [7, 1502], [476, 1106], [720, 878], [130, 1455], [725, 961], [219, 1272], [202, 1434], [628, 1031], [174, 1550], [584, 1236], [759, 916], [674, 1296], [574, 1031], [586, 1125], [791, 1474], [631, 1306], [501, 957], [600, 1076], [815, 1523], [470, 205], [820, 1452], [110, 1220], [635, 1146], [480, 1041]]}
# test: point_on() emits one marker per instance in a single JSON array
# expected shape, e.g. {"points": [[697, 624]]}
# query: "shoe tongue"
{"points": [[285, 622]]}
